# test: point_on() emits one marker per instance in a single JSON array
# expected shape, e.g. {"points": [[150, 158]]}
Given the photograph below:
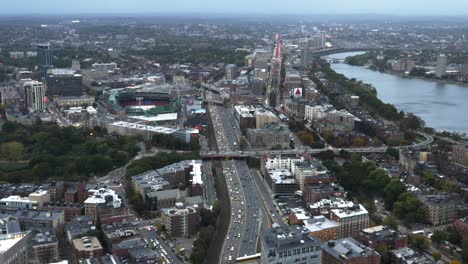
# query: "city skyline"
{"points": [[398, 7]]}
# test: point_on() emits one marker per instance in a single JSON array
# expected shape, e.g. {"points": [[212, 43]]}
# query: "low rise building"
{"points": [[348, 251], [322, 227], [45, 247], [442, 207], [407, 255], [460, 154], [14, 248], [16, 202], [273, 135], [87, 247], [101, 196], [290, 245], [281, 182], [383, 235], [351, 220]]}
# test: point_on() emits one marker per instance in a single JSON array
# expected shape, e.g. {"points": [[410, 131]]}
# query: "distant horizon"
{"points": [[266, 7]]}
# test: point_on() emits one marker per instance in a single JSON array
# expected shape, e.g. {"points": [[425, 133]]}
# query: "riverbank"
{"points": [[406, 76], [438, 102]]}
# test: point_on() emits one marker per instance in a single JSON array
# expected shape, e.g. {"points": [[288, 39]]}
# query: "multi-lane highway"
{"points": [[248, 214]]}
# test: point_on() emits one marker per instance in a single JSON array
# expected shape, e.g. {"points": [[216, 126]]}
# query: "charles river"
{"points": [[442, 106]]}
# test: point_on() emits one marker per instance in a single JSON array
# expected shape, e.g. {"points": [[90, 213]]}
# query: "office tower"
{"points": [[76, 65], [441, 67], [307, 56], [34, 94], [44, 56], [64, 82], [230, 72]]}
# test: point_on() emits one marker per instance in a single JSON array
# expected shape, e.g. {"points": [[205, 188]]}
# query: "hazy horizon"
{"points": [[301, 7]]}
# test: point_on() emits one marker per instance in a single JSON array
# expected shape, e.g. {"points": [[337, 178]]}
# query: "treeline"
{"points": [[367, 98], [365, 181], [42, 153], [209, 220]]}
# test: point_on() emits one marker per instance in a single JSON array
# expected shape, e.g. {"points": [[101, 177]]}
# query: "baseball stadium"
{"points": [[146, 101]]}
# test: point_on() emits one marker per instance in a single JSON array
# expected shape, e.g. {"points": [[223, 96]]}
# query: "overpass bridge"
{"points": [[217, 102], [248, 153], [210, 87]]}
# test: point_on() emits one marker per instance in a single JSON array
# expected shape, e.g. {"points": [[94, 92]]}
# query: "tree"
{"points": [[243, 144], [437, 256], [393, 152], [455, 261], [382, 249], [439, 236], [391, 221], [419, 242], [12, 151], [392, 191], [8, 127]]}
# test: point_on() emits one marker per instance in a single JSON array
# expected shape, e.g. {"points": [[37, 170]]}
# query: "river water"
{"points": [[442, 106]]}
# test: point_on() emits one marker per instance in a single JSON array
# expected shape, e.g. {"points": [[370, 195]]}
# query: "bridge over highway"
{"points": [[244, 154]]}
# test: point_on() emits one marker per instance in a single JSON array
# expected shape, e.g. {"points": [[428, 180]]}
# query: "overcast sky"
{"points": [[403, 7]]}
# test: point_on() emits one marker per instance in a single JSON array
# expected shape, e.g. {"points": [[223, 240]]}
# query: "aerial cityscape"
{"points": [[241, 132]]}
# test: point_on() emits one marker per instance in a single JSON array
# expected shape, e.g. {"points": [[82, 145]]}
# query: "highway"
{"points": [[248, 214]]}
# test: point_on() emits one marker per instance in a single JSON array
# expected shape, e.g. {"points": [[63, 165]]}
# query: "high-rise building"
{"points": [[34, 94], [261, 58], [441, 68], [290, 245], [14, 248], [44, 56], [64, 82], [307, 58], [230, 72], [76, 65], [180, 221]]}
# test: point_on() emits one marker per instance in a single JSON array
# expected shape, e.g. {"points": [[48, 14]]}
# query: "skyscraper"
{"points": [[44, 56], [307, 57], [441, 68], [34, 95]]}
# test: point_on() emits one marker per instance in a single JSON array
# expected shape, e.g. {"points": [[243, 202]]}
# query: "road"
{"points": [[266, 195], [246, 153], [209, 192], [248, 214]]}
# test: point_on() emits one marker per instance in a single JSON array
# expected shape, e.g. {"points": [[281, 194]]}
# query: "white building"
{"points": [[281, 162], [100, 197], [34, 95], [315, 112], [17, 202], [441, 68], [107, 67]]}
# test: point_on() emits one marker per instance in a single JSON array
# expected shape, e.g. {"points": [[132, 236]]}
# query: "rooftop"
{"points": [[347, 248], [318, 223], [87, 243]]}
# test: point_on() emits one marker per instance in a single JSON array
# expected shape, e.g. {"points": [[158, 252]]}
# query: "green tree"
{"points": [[12, 151], [392, 191], [439, 236], [393, 152], [420, 242], [391, 221], [382, 249], [9, 127]]}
